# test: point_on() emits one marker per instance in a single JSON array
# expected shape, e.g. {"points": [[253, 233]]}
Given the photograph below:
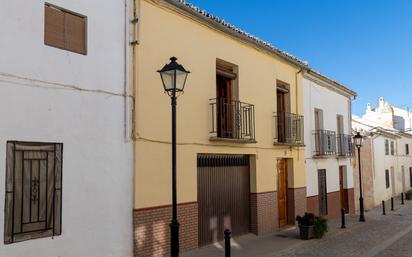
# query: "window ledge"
{"points": [[288, 144], [233, 140]]}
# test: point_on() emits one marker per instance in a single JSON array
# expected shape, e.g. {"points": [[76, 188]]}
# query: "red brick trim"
{"points": [[162, 206], [151, 232], [263, 212], [258, 193]]}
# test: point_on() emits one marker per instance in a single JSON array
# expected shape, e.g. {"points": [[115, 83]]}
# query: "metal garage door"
{"points": [[223, 196]]}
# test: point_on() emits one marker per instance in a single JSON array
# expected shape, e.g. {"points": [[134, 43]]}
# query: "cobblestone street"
{"points": [[380, 236]]}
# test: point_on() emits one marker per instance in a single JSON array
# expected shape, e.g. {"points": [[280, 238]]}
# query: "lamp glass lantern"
{"points": [[358, 140], [173, 77]]}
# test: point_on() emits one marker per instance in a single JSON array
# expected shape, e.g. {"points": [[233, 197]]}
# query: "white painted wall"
{"points": [[381, 161], [332, 103], [40, 100]]}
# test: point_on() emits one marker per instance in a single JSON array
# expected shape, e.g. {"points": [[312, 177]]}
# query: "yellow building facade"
{"points": [[240, 146]]}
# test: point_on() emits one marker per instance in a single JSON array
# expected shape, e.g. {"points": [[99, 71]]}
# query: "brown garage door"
{"points": [[223, 196]]}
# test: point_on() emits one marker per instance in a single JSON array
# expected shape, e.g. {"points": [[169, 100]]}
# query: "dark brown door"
{"points": [[280, 100], [323, 195], [343, 195], [224, 106], [223, 196], [282, 192]]}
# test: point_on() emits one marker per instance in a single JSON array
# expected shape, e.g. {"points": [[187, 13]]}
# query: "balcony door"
{"points": [[224, 103], [281, 109]]}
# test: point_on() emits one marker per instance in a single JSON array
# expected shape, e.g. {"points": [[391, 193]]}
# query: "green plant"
{"points": [[321, 226], [306, 220]]}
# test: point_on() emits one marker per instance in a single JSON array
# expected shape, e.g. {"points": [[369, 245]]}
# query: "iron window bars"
{"points": [[288, 128], [232, 119], [344, 145], [33, 207], [325, 142]]}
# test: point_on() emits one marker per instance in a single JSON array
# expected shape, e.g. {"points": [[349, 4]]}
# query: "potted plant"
{"points": [[408, 195], [306, 224], [321, 226]]}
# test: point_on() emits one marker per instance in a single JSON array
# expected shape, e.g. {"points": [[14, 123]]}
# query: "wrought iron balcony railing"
{"points": [[325, 142], [232, 120], [288, 128], [344, 145]]}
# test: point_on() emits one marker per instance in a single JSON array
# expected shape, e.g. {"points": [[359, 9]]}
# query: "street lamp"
{"points": [[173, 77], [358, 143]]}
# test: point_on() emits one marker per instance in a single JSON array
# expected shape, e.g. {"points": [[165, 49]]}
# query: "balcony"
{"points": [[288, 129], [325, 143], [232, 121], [344, 145]]}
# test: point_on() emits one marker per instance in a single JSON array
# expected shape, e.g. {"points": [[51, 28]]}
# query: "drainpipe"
{"points": [[126, 73], [134, 42]]}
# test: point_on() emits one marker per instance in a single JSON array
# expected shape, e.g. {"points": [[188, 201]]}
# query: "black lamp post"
{"points": [[174, 78], [358, 143]]}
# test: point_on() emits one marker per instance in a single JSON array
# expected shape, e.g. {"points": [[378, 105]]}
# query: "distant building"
{"points": [[389, 115], [385, 155]]}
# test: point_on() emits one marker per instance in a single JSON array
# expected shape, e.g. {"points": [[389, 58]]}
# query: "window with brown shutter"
{"points": [[65, 29]]}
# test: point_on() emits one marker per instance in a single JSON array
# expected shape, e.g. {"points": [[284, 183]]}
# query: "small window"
{"points": [[410, 176], [386, 147], [387, 178], [407, 149], [64, 29], [392, 148], [33, 191]]}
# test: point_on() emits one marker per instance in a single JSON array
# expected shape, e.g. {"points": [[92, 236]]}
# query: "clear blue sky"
{"points": [[363, 44]]}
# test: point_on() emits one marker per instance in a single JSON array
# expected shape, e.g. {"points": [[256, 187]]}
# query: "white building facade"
{"points": [[66, 158], [386, 157], [328, 152]]}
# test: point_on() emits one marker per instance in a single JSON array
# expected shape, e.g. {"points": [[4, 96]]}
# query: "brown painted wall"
{"points": [[152, 233], [333, 203], [350, 192], [367, 175], [264, 212], [312, 204]]}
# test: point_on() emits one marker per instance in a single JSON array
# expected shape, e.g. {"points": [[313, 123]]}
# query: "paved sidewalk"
{"points": [[359, 239]]}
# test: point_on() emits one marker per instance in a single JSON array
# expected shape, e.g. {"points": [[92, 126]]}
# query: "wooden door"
{"points": [[344, 201], [282, 192], [280, 101], [318, 126], [223, 183], [323, 195], [224, 106], [403, 179], [393, 181]]}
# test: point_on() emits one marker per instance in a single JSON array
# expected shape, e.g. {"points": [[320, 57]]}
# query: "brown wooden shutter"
{"points": [[54, 27], [75, 33]]}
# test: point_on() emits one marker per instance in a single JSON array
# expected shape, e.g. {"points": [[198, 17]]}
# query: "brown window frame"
{"points": [[386, 147], [410, 176], [407, 149], [34, 172], [66, 11], [387, 181]]}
